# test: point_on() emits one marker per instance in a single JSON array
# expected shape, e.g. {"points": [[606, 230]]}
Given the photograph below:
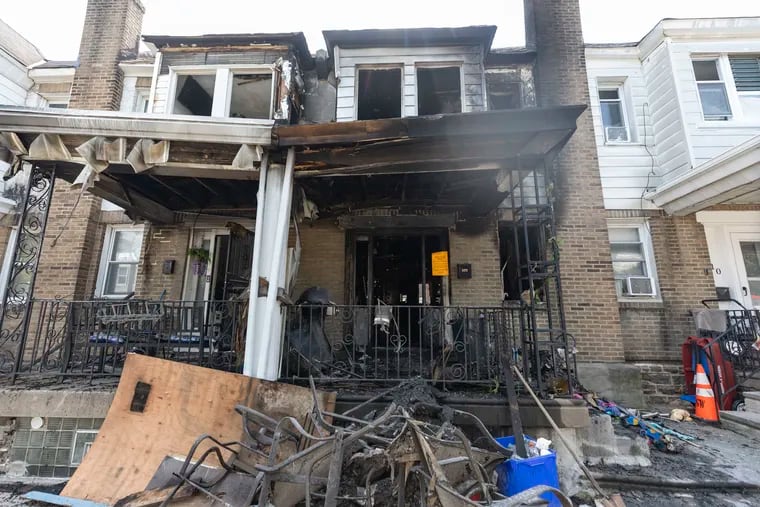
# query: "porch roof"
{"points": [[212, 163]]}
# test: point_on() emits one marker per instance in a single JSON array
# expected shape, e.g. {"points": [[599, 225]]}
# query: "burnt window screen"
{"points": [[502, 93], [379, 94], [439, 90], [195, 94]]}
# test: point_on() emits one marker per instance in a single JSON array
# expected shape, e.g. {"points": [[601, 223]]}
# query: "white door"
{"points": [[747, 255]]}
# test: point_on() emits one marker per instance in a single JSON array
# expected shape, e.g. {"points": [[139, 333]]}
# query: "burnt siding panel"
{"points": [[257, 57]]}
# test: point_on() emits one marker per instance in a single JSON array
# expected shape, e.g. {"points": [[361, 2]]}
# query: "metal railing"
{"points": [[92, 338], [455, 345], [740, 343]]}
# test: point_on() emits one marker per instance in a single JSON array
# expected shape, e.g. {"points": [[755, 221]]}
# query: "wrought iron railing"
{"points": [[741, 342], [92, 338], [454, 345]]}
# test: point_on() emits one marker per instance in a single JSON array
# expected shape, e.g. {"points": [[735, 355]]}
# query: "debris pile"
{"points": [[383, 459]]}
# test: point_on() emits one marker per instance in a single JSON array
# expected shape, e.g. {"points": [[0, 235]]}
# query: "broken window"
{"points": [[503, 93], [195, 94], [439, 90], [251, 96], [378, 94]]}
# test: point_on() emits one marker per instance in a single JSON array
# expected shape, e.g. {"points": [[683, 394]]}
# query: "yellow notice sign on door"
{"points": [[440, 263]]}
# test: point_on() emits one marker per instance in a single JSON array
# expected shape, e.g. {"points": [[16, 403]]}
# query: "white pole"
{"points": [[270, 338], [253, 288]]}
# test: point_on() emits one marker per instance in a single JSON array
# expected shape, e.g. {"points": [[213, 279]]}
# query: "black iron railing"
{"points": [[92, 338], [741, 342], [454, 345]]}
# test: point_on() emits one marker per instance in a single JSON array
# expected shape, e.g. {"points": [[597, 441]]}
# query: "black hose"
{"points": [[654, 482]]}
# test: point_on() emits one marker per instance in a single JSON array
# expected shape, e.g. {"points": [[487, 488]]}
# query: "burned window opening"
{"points": [[439, 90], [379, 94], [503, 94], [195, 94], [251, 96]]}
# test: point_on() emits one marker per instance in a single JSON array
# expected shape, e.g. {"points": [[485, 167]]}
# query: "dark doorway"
{"points": [[379, 94], [513, 256], [439, 90]]}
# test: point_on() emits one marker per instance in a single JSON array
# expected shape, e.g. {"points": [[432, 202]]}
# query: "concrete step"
{"points": [[752, 401], [744, 423]]}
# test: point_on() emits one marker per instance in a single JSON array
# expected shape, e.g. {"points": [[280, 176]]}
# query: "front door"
{"points": [[747, 253]]}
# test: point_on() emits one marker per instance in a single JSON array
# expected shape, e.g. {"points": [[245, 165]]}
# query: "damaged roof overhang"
{"points": [[399, 160], [410, 37], [296, 40]]}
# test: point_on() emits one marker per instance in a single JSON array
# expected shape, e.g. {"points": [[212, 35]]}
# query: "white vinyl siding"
{"points": [[15, 85], [470, 58], [627, 169]]}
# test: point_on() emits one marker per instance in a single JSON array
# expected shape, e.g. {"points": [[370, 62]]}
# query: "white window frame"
{"points": [[220, 105], [436, 65], [734, 95], [721, 63], [620, 89], [385, 66], [105, 256], [142, 101], [645, 237]]}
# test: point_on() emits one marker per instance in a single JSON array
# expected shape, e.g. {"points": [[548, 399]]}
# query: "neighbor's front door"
{"points": [[747, 253]]}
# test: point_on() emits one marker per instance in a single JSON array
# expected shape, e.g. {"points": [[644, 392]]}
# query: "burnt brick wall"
{"points": [[481, 250], [323, 259], [587, 280]]}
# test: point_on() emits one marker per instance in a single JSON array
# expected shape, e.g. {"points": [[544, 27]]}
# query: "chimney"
{"points": [[111, 32], [591, 306]]}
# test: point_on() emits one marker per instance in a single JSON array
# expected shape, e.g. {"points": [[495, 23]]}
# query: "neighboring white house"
{"points": [[677, 124]]}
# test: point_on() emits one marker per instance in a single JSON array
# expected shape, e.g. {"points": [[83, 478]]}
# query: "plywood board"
{"points": [[183, 402]]}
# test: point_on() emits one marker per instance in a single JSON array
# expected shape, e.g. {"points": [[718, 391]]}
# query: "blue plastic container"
{"points": [[516, 475]]}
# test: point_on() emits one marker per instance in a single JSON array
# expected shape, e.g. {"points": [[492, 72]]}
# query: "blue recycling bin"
{"points": [[516, 475]]}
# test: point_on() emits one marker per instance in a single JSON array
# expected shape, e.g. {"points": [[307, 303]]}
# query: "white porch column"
{"points": [[264, 332]]}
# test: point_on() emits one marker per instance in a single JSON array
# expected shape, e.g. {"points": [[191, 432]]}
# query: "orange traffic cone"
{"points": [[705, 408]]}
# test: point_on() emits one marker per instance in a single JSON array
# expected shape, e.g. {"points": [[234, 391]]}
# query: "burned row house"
{"points": [[409, 202]]}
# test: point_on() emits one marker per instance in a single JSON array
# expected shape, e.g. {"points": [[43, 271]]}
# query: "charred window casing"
{"points": [[378, 94], [503, 93], [439, 90]]}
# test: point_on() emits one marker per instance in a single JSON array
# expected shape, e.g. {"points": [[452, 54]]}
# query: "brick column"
{"points": [[590, 301], [111, 31]]}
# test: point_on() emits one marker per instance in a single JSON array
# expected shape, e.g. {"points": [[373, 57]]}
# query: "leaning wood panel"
{"points": [[184, 402]]}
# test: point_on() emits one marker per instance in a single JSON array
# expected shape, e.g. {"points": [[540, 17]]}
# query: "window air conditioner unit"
{"points": [[616, 134], [639, 286]]}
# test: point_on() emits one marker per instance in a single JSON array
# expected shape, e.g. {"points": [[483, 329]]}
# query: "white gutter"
{"points": [[136, 125], [727, 176]]}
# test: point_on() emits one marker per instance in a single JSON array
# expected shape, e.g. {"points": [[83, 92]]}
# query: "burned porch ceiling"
{"points": [[192, 164]]}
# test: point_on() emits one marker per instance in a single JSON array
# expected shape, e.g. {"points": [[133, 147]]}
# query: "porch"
{"points": [[444, 178]]}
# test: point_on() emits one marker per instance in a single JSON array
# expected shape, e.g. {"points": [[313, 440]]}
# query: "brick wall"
{"points": [[160, 244], [482, 251], [68, 266], [323, 259], [587, 280]]}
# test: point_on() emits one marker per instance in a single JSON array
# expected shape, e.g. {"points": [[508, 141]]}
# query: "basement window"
{"points": [[251, 96], [439, 90], [378, 94], [195, 94]]}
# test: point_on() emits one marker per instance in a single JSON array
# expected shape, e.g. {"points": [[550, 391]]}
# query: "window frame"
{"points": [[720, 66], [620, 89], [379, 66], [437, 65], [220, 102], [142, 97], [645, 239], [105, 258]]}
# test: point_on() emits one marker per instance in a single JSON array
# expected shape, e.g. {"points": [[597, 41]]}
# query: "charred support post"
{"points": [[264, 331], [16, 305]]}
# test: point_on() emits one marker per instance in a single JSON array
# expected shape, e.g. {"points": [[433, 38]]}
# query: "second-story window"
{"points": [[712, 90], [746, 71], [195, 94], [378, 93], [439, 90], [224, 92], [613, 115]]}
